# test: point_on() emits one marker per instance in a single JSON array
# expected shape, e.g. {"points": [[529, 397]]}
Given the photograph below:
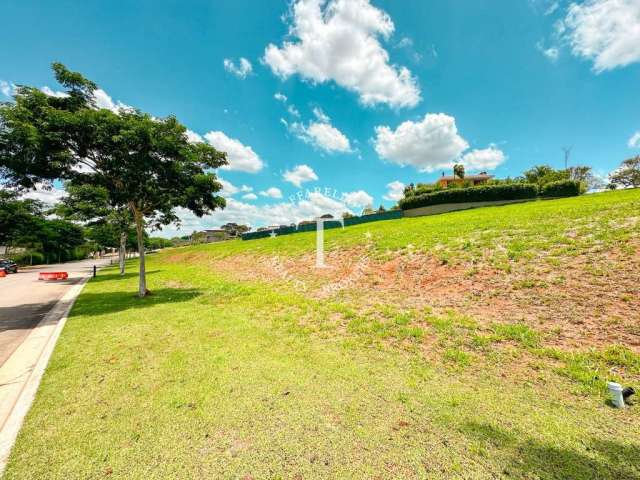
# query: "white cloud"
{"points": [[53, 93], [605, 31], [299, 175], [240, 157], [293, 111], [246, 188], [320, 115], [395, 191], [7, 88], [634, 141], [272, 192], [405, 42], [103, 100], [228, 188], [431, 144], [250, 196], [49, 195], [339, 41], [241, 70], [321, 134], [194, 137], [359, 198], [553, 6], [427, 145], [280, 97], [485, 159], [310, 206], [552, 53]]}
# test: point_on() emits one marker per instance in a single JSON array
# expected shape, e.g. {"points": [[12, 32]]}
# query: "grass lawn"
{"points": [[247, 363]]}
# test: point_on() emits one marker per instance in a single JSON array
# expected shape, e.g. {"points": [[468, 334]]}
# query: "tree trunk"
{"points": [[142, 288], [122, 252]]}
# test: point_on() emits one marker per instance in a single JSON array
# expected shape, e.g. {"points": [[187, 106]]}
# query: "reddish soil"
{"points": [[591, 299]]}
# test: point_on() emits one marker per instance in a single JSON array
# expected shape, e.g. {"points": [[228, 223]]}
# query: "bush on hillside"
{"points": [[562, 188], [482, 193]]}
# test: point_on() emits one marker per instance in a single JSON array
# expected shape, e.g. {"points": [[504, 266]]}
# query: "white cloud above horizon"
{"points": [[483, 159], [607, 32], [359, 198], [101, 98], [228, 188], [272, 192], [6, 88], [299, 174], [241, 70], [241, 158], [552, 53], [395, 191], [309, 207], [430, 144], [634, 141], [46, 193], [320, 134], [339, 41]]}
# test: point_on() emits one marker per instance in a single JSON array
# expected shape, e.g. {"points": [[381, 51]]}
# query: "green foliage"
{"points": [[84, 203], [480, 193], [562, 188], [236, 369], [235, 230], [628, 174], [543, 174], [157, 243], [23, 224], [457, 357], [28, 258], [18, 218], [145, 164], [517, 332]]}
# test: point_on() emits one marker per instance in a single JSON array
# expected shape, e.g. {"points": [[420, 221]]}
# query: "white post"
{"points": [[320, 243], [320, 239]]}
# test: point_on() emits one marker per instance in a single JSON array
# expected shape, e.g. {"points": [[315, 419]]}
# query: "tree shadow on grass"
{"points": [[112, 302], [529, 457]]}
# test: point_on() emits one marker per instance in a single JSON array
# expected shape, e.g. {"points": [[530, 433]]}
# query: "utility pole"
{"points": [[567, 154]]}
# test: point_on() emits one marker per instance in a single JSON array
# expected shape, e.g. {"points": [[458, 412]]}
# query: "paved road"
{"points": [[24, 300]]}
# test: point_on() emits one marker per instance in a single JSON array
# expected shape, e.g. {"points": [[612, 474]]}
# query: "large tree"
{"points": [[91, 205], [146, 164], [627, 174]]}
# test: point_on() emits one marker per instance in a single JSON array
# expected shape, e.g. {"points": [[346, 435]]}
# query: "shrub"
{"points": [[562, 188], [24, 258], [482, 193]]}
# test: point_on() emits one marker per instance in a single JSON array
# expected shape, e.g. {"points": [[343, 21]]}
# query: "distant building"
{"points": [[482, 177]]}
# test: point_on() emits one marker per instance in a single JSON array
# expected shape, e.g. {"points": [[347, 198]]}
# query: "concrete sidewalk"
{"points": [[22, 370]]}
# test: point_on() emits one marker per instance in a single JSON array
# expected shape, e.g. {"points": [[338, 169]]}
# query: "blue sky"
{"points": [[354, 96]]}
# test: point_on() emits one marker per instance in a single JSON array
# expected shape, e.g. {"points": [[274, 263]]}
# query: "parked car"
{"points": [[8, 266]]}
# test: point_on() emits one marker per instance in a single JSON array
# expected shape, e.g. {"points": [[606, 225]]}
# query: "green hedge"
{"points": [[309, 227], [561, 188], [482, 193]]}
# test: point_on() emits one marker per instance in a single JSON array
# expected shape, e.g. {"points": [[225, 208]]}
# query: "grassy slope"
{"points": [[214, 377]]}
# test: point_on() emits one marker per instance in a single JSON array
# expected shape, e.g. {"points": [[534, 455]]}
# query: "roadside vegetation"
{"points": [[473, 344]]}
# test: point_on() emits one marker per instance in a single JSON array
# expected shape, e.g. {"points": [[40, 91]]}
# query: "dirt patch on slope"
{"points": [[591, 299]]}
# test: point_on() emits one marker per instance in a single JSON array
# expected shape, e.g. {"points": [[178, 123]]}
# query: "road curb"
{"points": [[22, 372]]}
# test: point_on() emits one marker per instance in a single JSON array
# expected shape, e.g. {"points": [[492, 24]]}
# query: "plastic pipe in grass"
{"points": [[615, 389]]}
